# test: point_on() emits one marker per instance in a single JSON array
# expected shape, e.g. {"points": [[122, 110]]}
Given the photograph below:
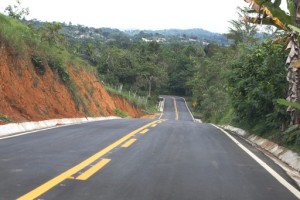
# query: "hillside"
{"points": [[165, 36], [41, 81], [188, 35]]}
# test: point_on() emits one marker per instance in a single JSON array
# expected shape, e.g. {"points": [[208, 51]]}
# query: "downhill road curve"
{"points": [[172, 157]]}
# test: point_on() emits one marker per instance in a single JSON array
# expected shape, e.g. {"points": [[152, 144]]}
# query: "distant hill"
{"points": [[190, 34], [168, 35]]}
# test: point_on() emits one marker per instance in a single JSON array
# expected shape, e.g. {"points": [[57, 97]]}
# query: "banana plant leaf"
{"points": [[289, 104], [264, 21], [294, 28], [276, 11]]}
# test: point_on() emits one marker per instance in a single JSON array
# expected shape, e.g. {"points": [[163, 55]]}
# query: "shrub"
{"points": [[57, 65], [38, 64]]}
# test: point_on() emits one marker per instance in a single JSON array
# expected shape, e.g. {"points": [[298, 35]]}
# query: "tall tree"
{"points": [[50, 33], [242, 30], [17, 11]]}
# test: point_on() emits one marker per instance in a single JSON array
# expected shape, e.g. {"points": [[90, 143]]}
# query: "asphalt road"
{"points": [[139, 159]]}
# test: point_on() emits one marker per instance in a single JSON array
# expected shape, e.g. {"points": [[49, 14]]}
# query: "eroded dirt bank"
{"points": [[26, 95]]}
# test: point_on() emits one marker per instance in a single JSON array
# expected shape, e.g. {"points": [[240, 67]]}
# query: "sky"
{"points": [[210, 15]]}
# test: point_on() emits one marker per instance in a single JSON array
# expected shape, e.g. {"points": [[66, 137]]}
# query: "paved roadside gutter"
{"points": [[16, 128], [283, 154]]}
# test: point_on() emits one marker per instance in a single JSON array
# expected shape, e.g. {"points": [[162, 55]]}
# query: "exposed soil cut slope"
{"points": [[26, 95]]}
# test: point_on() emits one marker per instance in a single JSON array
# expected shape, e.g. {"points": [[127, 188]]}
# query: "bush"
{"points": [[57, 65], [38, 64]]}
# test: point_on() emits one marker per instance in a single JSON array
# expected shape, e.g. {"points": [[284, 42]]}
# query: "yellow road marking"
{"points": [[128, 143], [154, 125], [60, 178], [176, 111], [144, 131], [84, 176]]}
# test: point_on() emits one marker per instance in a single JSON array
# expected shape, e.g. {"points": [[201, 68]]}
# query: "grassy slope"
{"points": [[23, 48]]}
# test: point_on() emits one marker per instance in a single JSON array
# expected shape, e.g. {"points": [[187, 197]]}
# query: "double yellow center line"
{"points": [[70, 173]]}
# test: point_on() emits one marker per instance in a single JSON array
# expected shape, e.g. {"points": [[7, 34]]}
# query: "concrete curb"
{"points": [[285, 155], [198, 120], [14, 128], [161, 106]]}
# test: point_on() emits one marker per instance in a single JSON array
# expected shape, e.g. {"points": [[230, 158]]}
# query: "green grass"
{"points": [[120, 113], [148, 106], [17, 37], [228, 117]]}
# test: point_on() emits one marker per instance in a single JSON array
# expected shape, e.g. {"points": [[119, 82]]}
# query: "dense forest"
{"points": [[145, 62], [235, 78]]}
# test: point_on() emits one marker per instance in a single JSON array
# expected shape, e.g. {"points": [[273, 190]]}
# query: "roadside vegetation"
{"points": [[146, 104], [120, 113]]}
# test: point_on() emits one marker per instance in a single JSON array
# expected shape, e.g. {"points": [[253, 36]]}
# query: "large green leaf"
{"points": [[292, 9], [287, 103], [294, 28]]}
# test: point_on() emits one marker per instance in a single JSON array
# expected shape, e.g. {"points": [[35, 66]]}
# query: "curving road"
{"points": [[139, 159], [175, 105]]}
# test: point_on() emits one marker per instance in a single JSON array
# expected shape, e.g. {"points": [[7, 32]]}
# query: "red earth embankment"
{"points": [[26, 95]]}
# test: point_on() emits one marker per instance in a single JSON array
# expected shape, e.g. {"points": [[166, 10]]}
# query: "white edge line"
{"points": [[12, 135], [28, 132], [188, 108], [163, 106], [291, 188]]}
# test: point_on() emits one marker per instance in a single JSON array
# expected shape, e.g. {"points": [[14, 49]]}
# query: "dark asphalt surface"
{"points": [[177, 159]]}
